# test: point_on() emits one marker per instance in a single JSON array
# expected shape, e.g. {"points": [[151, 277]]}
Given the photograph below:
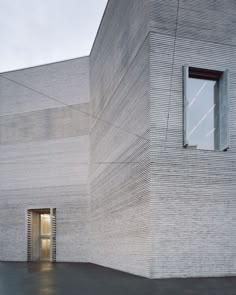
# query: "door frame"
{"points": [[29, 233]]}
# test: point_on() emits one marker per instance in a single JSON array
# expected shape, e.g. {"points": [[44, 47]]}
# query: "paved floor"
{"points": [[89, 279]]}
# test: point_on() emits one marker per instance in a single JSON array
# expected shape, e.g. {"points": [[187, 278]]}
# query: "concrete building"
{"points": [[130, 152]]}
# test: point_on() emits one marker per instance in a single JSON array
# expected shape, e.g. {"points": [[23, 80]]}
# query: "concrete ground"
{"points": [[89, 279]]}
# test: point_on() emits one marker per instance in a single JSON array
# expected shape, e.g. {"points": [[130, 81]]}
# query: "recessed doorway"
{"points": [[44, 236], [41, 234]]}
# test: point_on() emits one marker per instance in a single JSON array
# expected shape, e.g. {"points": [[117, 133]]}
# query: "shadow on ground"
{"points": [[89, 279]]}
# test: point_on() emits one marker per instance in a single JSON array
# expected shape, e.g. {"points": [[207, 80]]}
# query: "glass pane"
{"points": [[45, 249], [202, 114], [45, 224]]}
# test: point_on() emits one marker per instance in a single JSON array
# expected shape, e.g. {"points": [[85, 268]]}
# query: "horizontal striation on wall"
{"points": [[226, 6], [121, 34], [41, 175], [44, 155], [120, 146], [44, 164], [64, 195], [127, 194], [167, 81], [72, 230], [45, 124], [35, 88], [13, 245], [192, 191], [195, 20]]}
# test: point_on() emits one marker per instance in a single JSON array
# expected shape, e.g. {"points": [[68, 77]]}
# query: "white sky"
{"points": [[34, 32]]}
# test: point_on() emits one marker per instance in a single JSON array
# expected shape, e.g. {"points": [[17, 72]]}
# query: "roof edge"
{"points": [[47, 64], [60, 61], [99, 27]]}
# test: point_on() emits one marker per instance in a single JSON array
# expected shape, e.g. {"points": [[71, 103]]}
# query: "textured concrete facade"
{"points": [[100, 139], [119, 168], [193, 191], [44, 155]]}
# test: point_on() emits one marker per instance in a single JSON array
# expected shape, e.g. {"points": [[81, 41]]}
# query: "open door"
{"points": [[41, 229]]}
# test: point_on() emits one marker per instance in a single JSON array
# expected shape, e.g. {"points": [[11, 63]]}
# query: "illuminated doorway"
{"points": [[44, 236], [41, 235]]}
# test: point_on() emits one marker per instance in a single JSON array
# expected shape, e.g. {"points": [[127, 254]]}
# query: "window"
{"points": [[206, 109]]}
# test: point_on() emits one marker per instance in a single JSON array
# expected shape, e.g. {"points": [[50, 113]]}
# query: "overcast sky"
{"points": [[34, 32]]}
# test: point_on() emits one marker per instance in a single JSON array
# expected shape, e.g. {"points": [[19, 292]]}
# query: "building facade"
{"points": [[114, 150]]}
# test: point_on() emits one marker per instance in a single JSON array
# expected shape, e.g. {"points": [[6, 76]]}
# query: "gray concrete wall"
{"points": [[193, 191], [128, 195], [44, 155], [120, 171]]}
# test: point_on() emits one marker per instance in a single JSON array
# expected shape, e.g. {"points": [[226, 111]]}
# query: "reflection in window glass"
{"points": [[45, 224], [202, 114]]}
